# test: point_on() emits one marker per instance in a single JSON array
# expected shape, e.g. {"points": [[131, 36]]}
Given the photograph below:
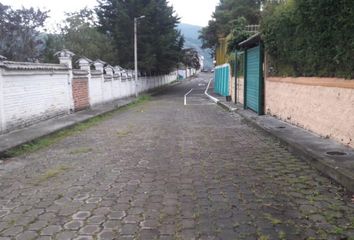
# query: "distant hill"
{"points": [[191, 34]]}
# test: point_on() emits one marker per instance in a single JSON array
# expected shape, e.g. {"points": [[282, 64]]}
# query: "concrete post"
{"points": [[2, 116], [118, 72], [109, 70], [99, 64], [65, 58], [85, 64]]}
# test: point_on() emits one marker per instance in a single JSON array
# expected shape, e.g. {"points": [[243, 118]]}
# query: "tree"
{"points": [[191, 58], [80, 34], [20, 38], [238, 34], [160, 44], [223, 19], [310, 38], [209, 38]]}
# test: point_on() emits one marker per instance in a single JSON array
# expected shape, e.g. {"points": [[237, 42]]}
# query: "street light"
{"points": [[136, 53]]}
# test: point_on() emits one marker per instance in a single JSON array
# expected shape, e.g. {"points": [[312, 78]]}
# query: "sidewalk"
{"points": [[25, 135], [329, 157], [31, 133]]}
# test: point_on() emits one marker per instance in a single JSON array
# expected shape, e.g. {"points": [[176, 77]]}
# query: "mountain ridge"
{"points": [[191, 36]]}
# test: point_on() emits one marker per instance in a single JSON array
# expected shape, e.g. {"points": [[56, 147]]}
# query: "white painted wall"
{"points": [[2, 119], [107, 90], [31, 96], [95, 89], [33, 92]]}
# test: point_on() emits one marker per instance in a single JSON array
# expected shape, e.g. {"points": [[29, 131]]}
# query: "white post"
{"points": [[65, 58], [2, 116], [84, 64], [99, 67], [136, 53], [110, 73]]}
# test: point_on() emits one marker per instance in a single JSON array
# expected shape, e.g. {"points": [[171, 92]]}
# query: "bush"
{"points": [[310, 37]]}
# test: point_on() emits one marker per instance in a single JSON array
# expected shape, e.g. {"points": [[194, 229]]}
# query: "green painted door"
{"points": [[254, 80]]}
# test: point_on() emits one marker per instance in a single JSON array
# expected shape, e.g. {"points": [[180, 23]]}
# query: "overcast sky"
{"points": [[196, 12]]}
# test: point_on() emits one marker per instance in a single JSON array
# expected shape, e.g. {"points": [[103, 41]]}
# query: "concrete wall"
{"points": [[322, 105], [239, 90], [95, 89], [34, 92], [31, 93], [186, 73]]}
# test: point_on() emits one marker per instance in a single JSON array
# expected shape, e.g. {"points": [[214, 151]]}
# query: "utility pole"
{"points": [[136, 53]]}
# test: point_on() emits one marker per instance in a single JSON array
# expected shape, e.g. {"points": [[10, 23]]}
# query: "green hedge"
{"points": [[310, 37]]}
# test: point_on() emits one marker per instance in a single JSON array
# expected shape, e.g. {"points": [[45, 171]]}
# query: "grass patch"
{"points": [[282, 235], [51, 139], [273, 220], [11, 222], [81, 150], [338, 230], [51, 173], [123, 133], [263, 237]]}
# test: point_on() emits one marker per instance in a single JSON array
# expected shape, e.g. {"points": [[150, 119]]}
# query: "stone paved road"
{"points": [[162, 170]]}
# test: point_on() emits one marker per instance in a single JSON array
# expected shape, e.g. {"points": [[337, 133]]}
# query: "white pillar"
{"points": [[65, 58], [109, 72], [2, 116], [99, 67], [85, 64]]}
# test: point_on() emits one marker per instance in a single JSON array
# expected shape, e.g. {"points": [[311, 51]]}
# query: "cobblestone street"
{"points": [[162, 170]]}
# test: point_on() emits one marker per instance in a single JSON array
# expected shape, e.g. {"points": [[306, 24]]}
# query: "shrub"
{"points": [[310, 37]]}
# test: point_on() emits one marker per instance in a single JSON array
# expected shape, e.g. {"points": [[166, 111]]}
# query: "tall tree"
{"points": [[80, 34], [19, 33], [160, 44], [191, 58], [310, 38], [226, 18]]}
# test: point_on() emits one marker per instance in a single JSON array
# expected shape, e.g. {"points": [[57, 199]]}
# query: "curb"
{"points": [[82, 116], [226, 107], [324, 164], [332, 167], [217, 101]]}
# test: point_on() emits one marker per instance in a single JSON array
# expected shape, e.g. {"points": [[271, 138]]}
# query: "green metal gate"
{"points": [[254, 80]]}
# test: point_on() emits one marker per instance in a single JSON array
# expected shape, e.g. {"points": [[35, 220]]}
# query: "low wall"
{"points": [[34, 92], [322, 105], [30, 93]]}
